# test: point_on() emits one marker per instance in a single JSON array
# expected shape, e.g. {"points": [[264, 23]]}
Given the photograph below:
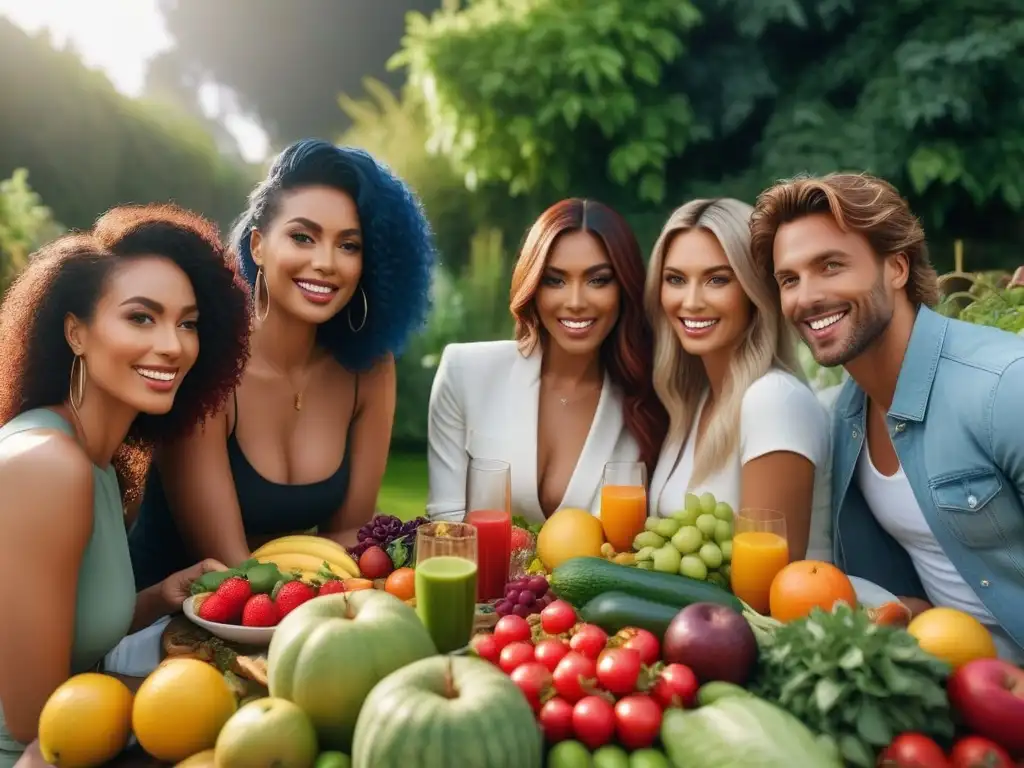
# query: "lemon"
{"points": [[85, 722], [953, 636], [180, 708]]}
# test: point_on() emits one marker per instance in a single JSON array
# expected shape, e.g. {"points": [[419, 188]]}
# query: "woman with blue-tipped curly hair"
{"points": [[339, 256]]}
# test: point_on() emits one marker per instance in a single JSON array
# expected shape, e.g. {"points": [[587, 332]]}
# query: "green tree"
{"points": [[25, 224]]}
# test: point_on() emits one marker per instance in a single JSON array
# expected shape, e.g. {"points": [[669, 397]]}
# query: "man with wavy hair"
{"points": [[928, 431]]}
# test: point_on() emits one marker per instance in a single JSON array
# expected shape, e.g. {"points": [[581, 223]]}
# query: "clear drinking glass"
{"points": [[446, 576], [760, 549], [489, 510]]}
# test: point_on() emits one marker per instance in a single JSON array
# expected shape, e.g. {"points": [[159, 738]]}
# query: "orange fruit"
{"points": [[953, 636], [402, 583], [807, 584], [354, 585], [569, 533], [180, 708], [86, 721]]}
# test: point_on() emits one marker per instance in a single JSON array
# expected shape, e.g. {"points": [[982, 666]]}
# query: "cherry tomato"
{"points": [[589, 640], [513, 655], [643, 642], [512, 629], [486, 647], [573, 676], [913, 750], [637, 721], [550, 652], [978, 752], [558, 617], [534, 680], [618, 670], [556, 720], [676, 686], [593, 721]]}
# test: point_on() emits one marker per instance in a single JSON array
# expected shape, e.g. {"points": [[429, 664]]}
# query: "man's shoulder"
{"points": [[980, 347]]}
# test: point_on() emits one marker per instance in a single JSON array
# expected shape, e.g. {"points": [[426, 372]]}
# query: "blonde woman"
{"points": [[743, 423]]}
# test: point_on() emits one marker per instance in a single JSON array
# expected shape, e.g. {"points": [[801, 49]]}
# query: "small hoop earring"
{"points": [[76, 384], [366, 313], [258, 312]]}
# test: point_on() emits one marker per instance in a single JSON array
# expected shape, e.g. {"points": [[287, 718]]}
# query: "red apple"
{"points": [[714, 641], [989, 695]]}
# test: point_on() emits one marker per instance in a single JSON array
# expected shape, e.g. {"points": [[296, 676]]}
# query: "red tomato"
{"points": [[978, 752], [486, 647], [556, 720], [558, 617], [618, 670], [573, 676], [637, 721], [589, 640], [534, 680], [913, 750], [513, 655], [512, 629], [550, 652], [676, 686], [643, 642], [593, 721]]}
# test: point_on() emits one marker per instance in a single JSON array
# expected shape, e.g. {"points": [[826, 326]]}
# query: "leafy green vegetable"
{"points": [[521, 522], [988, 302], [743, 731], [857, 682], [400, 550]]}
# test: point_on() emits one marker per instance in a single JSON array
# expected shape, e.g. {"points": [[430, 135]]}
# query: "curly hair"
{"points": [[398, 243], [858, 202], [628, 352], [70, 275]]}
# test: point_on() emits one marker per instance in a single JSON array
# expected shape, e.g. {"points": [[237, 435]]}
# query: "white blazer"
{"points": [[484, 404]]}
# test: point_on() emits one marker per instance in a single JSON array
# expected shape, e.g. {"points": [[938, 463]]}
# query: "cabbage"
{"points": [[743, 731]]}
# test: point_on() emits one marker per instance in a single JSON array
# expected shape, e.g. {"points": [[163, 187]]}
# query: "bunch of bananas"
{"points": [[308, 556]]}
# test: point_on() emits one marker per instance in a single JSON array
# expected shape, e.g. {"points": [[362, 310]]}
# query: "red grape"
{"points": [[503, 608], [513, 595], [527, 599], [522, 610], [538, 585]]}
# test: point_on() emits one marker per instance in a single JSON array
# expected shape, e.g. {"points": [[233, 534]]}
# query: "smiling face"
{"points": [[142, 339], [837, 293], [701, 296], [578, 298], [311, 253]]}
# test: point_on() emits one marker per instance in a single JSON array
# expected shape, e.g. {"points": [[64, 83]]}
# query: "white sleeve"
{"points": [[447, 460], [780, 413]]}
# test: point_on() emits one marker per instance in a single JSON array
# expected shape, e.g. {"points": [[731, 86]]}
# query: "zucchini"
{"points": [[613, 611], [581, 579]]}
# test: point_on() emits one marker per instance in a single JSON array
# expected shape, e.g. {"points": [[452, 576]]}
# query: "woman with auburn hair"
{"points": [[573, 390], [110, 341], [743, 424]]}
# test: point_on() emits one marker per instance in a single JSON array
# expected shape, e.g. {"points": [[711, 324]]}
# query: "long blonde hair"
{"points": [[680, 378]]}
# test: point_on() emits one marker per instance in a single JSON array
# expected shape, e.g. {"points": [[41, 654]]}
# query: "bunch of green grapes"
{"points": [[694, 542]]}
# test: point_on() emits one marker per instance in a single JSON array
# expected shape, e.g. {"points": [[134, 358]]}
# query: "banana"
{"points": [[315, 546], [296, 561]]}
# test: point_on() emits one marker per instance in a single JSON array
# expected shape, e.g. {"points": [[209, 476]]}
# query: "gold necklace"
{"points": [[566, 401]]}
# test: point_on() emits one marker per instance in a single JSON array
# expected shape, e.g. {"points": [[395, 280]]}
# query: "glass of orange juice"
{"points": [[623, 502], [759, 551]]}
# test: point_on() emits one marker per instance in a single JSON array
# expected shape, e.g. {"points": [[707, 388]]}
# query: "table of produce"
{"points": [[309, 656]]}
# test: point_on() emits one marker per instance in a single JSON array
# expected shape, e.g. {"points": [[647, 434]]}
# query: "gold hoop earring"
{"points": [[260, 313], [76, 384], [366, 313]]}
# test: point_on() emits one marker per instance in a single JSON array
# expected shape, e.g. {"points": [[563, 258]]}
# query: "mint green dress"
{"points": [[106, 588]]}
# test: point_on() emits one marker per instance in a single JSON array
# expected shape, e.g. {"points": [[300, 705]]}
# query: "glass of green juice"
{"points": [[446, 563]]}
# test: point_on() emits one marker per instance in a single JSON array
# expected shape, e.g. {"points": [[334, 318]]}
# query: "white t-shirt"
{"points": [[779, 413]]}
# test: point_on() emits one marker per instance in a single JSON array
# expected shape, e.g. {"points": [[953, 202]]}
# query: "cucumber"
{"points": [[717, 690], [581, 579], [613, 611]]}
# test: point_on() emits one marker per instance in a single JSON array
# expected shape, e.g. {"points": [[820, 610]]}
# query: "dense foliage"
{"points": [[25, 224]]}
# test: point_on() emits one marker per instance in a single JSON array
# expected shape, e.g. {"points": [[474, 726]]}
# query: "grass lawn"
{"points": [[404, 491]]}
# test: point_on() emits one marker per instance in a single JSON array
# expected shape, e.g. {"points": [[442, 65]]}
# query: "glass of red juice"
{"points": [[489, 510]]}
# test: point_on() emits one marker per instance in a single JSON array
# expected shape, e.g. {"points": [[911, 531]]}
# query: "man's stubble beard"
{"points": [[869, 322]]}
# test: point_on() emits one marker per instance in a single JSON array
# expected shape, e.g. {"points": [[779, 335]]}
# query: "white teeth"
{"points": [[149, 373], [825, 322], [324, 289], [577, 325], [697, 325]]}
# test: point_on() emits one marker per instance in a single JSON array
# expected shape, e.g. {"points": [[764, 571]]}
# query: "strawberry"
{"points": [[259, 611], [521, 538], [331, 587], [235, 592], [291, 595], [217, 609]]}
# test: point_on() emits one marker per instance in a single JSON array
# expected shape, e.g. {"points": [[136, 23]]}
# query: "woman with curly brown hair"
{"points": [[109, 341]]}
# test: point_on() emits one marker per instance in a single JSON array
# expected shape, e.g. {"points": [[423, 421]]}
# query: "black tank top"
{"points": [[268, 509]]}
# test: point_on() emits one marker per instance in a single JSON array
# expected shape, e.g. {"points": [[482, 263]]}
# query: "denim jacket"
{"points": [[957, 424]]}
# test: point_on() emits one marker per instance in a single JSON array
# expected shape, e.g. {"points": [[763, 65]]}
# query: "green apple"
{"points": [[267, 733]]}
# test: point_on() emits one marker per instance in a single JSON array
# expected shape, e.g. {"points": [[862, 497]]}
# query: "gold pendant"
{"points": [[298, 401]]}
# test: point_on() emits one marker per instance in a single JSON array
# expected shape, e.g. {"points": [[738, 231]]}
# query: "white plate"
{"points": [[255, 636], [870, 594]]}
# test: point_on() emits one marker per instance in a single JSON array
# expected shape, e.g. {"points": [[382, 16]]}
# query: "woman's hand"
{"points": [[916, 605], [176, 588]]}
